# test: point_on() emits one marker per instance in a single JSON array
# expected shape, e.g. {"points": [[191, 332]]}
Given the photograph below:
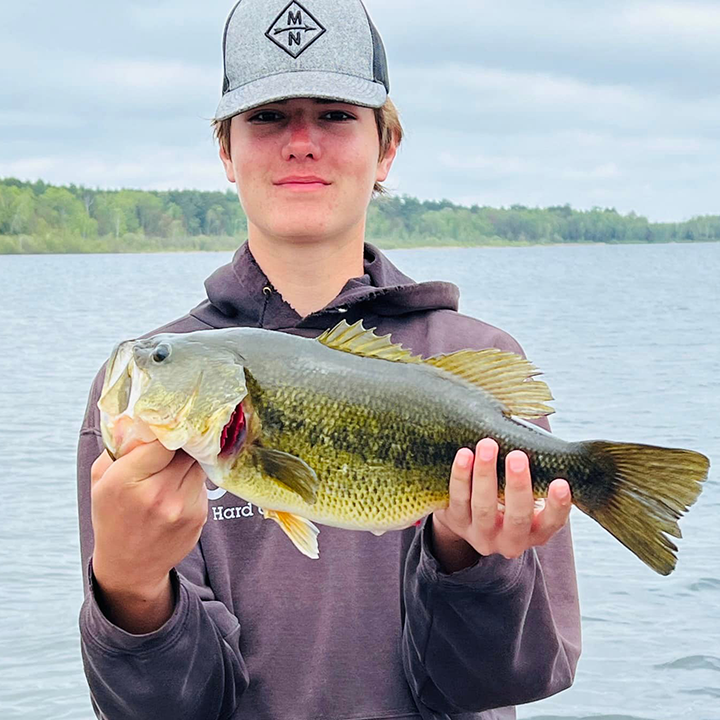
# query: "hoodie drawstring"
{"points": [[267, 292]]}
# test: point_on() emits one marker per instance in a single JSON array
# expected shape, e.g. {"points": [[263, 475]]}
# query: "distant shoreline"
{"points": [[37, 218], [545, 244], [381, 246]]}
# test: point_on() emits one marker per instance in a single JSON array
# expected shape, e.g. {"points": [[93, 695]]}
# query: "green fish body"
{"points": [[353, 431]]}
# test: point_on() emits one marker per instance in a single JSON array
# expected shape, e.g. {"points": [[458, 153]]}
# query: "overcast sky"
{"points": [[611, 102]]}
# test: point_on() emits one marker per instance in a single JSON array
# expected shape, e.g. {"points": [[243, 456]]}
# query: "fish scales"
{"points": [[381, 436]]}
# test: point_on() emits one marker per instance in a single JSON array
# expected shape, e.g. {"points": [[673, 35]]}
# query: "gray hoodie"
{"points": [[374, 628]]}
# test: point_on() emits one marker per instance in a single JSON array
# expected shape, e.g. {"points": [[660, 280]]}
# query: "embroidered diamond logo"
{"points": [[295, 29]]}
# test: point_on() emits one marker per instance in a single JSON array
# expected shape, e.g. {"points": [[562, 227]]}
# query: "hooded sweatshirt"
{"points": [[374, 629]]}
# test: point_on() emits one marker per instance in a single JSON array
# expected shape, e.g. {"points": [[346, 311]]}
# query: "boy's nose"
{"points": [[302, 141]]}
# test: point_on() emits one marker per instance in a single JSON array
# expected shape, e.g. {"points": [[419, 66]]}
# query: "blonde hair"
{"points": [[387, 120]]}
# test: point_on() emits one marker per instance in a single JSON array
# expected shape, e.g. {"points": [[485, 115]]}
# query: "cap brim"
{"points": [[283, 86]]}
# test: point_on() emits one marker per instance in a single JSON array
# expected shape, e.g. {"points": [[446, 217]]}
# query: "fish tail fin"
{"points": [[648, 490]]}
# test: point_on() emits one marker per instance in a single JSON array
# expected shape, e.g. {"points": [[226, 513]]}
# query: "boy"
{"points": [[207, 612]]}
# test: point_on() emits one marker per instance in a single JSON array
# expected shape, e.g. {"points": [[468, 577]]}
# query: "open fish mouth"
{"points": [[130, 417], [124, 384], [117, 365]]}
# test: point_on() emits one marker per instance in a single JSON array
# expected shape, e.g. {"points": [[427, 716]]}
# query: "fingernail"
{"points": [[517, 463], [463, 460], [486, 452], [564, 494]]}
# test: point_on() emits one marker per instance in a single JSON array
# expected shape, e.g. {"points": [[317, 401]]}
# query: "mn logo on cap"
{"points": [[295, 29]]}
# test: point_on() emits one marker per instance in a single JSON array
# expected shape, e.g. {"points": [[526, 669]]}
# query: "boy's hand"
{"points": [[148, 509], [472, 522]]}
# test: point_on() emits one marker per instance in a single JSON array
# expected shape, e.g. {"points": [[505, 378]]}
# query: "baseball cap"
{"points": [[275, 50]]}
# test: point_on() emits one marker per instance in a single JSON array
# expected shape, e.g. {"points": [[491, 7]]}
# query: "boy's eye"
{"points": [[338, 115], [265, 116]]}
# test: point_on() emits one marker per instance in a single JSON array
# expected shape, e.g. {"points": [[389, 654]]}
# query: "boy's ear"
{"points": [[227, 164], [384, 165]]}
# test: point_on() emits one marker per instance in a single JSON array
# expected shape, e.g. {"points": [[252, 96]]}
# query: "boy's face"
{"points": [[278, 149]]}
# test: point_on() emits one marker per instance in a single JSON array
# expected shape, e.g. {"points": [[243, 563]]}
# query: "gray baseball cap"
{"points": [[275, 50]]}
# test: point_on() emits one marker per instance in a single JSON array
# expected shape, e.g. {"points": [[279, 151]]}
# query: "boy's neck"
{"points": [[308, 274]]}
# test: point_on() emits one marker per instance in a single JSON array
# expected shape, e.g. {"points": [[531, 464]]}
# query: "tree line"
{"points": [[36, 217]]}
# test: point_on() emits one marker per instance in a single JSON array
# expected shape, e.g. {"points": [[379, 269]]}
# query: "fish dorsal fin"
{"points": [[504, 375], [355, 339]]}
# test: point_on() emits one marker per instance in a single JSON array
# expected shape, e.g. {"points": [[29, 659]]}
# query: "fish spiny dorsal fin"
{"points": [[501, 374], [505, 375], [355, 339]]}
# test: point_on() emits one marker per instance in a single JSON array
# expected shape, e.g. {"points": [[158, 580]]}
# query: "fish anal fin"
{"points": [[288, 470], [301, 532], [507, 377], [356, 340]]}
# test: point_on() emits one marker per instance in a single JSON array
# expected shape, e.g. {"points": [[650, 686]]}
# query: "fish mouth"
{"points": [[125, 382], [234, 433], [130, 416]]}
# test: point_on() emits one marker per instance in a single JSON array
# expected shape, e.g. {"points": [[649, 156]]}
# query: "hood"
{"points": [[240, 293]]}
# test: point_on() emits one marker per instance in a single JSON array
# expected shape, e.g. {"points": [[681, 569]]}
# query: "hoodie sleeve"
{"points": [[499, 633], [189, 668]]}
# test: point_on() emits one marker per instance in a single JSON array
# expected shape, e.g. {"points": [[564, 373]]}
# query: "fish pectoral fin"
{"points": [[289, 470], [300, 530], [503, 375], [378, 533]]}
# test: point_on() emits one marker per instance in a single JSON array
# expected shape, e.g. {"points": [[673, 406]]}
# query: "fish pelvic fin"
{"points": [[301, 531], [288, 470], [650, 490], [501, 374]]}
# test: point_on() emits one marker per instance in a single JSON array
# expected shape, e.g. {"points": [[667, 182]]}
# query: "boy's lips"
{"points": [[302, 183], [297, 179]]}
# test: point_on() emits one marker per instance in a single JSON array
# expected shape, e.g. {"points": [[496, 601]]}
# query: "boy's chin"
{"points": [[299, 227], [306, 230]]}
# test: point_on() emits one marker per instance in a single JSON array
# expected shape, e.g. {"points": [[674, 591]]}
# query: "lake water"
{"points": [[628, 337]]}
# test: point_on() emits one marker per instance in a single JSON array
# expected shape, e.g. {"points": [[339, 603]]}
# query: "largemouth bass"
{"points": [[354, 431]]}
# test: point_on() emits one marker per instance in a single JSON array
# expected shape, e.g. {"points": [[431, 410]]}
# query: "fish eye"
{"points": [[162, 352]]}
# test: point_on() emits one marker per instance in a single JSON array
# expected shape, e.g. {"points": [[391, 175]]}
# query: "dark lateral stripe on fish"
{"points": [[431, 454]]}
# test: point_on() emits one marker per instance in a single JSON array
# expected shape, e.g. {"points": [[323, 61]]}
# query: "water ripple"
{"points": [[704, 584], [587, 717], [710, 691], [692, 662]]}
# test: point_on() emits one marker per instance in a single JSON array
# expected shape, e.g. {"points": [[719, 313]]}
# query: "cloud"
{"points": [[567, 166], [504, 165], [479, 98], [20, 119], [609, 41], [150, 168], [161, 84], [686, 21], [612, 102]]}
